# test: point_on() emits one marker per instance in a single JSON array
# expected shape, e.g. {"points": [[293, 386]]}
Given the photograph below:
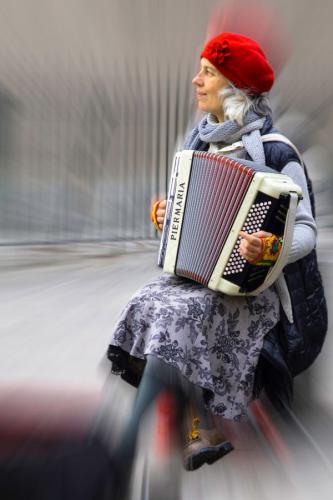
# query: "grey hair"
{"points": [[236, 103]]}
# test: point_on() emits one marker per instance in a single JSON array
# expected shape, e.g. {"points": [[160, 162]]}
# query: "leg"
{"points": [[157, 377]]}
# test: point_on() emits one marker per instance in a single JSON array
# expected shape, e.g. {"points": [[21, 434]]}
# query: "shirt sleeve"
{"points": [[305, 231]]}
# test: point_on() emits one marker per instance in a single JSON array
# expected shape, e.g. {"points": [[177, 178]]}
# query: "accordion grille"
{"points": [[216, 189]]}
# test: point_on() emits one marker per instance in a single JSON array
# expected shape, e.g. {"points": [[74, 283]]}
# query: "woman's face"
{"points": [[209, 82]]}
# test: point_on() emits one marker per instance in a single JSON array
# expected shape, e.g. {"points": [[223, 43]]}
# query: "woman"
{"points": [[203, 344]]}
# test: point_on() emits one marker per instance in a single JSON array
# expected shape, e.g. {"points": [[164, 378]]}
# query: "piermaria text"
{"points": [[179, 207]]}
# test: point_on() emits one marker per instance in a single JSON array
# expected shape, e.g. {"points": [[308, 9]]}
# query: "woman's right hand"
{"points": [[160, 213]]}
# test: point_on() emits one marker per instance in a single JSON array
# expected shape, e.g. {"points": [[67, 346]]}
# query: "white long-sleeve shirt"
{"points": [[305, 231]]}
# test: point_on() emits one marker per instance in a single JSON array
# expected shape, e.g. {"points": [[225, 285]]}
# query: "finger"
{"points": [[162, 204], [253, 246], [160, 213], [250, 255], [248, 237], [258, 234], [246, 248], [250, 250], [262, 234], [251, 258], [253, 242], [160, 220]]}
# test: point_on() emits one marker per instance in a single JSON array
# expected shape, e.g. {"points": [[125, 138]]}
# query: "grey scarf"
{"points": [[229, 132]]}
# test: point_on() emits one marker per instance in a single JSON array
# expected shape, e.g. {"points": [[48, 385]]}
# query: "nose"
{"points": [[197, 80]]}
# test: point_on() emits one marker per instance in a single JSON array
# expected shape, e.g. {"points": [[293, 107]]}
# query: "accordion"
{"points": [[211, 199]]}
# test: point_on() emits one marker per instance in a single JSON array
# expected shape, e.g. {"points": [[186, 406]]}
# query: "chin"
{"points": [[203, 108]]}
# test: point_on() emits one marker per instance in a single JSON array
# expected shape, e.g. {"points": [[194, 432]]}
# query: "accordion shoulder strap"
{"points": [[274, 137]]}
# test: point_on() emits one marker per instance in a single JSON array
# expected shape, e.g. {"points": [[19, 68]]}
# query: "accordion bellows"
{"points": [[211, 199]]}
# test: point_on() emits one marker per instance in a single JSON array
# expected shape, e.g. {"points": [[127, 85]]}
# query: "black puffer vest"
{"points": [[290, 348], [304, 338]]}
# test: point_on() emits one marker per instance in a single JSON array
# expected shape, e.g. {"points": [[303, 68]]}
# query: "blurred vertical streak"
{"points": [[148, 165], [177, 105], [158, 128], [133, 158], [125, 157], [138, 177], [167, 127], [121, 150], [188, 99], [115, 217]]}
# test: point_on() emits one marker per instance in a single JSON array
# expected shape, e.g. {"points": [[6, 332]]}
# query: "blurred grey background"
{"points": [[95, 96]]}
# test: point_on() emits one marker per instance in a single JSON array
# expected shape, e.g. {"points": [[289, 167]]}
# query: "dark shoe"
{"points": [[207, 447]]}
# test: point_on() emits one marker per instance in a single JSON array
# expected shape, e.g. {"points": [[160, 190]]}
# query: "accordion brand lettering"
{"points": [[178, 210]]}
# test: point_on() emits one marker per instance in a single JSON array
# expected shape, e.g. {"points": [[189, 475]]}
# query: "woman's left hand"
{"points": [[251, 245]]}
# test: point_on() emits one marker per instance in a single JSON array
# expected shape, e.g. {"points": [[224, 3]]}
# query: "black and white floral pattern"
{"points": [[213, 339]]}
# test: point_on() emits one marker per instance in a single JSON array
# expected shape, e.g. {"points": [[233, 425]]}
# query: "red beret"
{"points": [[241, 60]]}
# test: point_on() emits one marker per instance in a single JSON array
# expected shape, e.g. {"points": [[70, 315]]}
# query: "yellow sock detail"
{"points": [[194, 433]]}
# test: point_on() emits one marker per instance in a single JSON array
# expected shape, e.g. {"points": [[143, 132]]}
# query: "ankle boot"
{"points": [[204, 445]]}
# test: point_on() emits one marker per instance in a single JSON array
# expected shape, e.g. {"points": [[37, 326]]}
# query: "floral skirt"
{"points": [[213, 339]]}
